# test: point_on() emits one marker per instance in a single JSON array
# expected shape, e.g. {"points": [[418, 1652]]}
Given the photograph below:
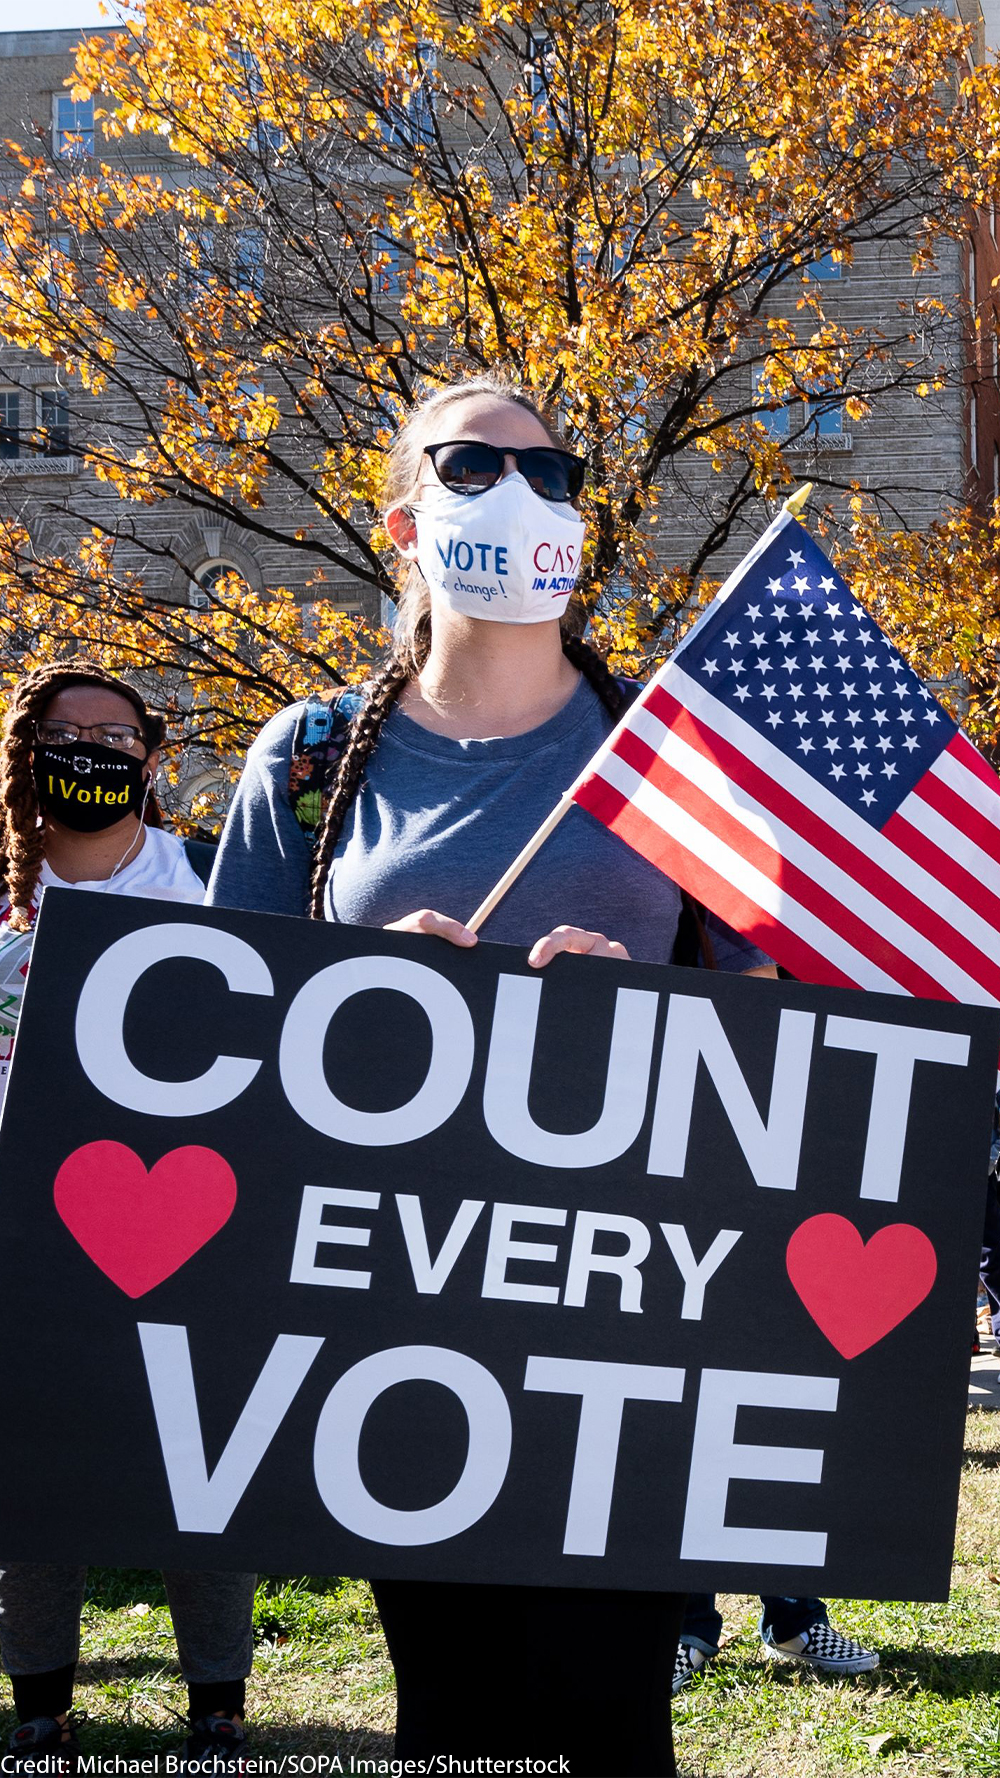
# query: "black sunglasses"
{"points": [[468, 467]]}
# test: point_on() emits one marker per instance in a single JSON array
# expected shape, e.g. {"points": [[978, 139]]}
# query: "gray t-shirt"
{"points": [[436, 823]]}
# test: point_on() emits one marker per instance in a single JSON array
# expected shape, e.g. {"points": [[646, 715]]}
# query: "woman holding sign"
{"points": [[463, 741], [78, 811]]}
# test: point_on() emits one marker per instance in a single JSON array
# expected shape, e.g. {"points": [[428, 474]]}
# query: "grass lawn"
{"points": [[323, 1684]]}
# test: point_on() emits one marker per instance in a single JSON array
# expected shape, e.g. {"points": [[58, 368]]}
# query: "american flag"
{"points": [[790, 771]]}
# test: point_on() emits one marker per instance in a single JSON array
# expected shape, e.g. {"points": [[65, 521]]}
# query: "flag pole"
{"points": [[523, 858], [795, 502], [793, 506]]}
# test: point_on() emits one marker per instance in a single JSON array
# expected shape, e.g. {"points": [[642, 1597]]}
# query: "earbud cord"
{"points": [[131, 845]]}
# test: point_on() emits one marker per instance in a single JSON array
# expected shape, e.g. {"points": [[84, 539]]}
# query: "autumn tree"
{"points": [[626, 206]]}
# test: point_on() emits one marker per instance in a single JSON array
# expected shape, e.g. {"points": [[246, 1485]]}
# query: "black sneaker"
{"points": [[39, 1745], [215, 1744]]}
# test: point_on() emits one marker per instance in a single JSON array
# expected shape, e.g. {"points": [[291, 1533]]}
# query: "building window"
{"points": [[996, 472], [774, 420], [47, 436], [824, 417], [59, 250], [390, 275], [35, 432], [638, 425], [255, 424], [973, 440], [825, 270], [248, 261], [548, 108], [53, 421], [72, 127], [10, 424], [205, 586], [196, 252], [538, 69], [266, 139], [819, 424], [972, 274], [826, 420], [411, 124]]}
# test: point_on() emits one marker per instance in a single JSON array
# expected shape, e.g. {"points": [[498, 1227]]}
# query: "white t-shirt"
{"points": [[159, 870]]}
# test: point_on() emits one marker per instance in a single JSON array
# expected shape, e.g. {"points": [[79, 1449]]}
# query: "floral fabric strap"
{"points": [[320, 738]]}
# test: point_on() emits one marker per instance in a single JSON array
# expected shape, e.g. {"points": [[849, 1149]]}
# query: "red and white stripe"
{"points": [[911, 909]]}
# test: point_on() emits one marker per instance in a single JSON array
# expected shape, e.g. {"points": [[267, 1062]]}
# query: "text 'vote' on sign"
{"points": [[368, 1255]]}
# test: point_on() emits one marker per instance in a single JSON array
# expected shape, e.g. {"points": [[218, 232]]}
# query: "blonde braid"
{"points": [[362, 740]]}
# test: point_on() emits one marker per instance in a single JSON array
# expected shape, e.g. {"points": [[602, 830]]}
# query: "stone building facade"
{"points": [[927, 453], [42, 478]]}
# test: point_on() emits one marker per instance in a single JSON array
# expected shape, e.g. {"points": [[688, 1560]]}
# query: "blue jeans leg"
{"points": [[786, 1618], [702, 1626]]}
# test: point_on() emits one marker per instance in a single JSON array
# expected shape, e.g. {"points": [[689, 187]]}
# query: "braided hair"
{"points": [[22, 833], [412, 630]]}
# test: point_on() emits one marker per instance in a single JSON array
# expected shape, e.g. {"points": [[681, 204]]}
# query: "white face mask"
{"points": [[506, 555]]}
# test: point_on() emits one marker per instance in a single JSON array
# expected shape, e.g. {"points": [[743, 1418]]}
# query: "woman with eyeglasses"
{"points": [[78, 810], [464, 740]]}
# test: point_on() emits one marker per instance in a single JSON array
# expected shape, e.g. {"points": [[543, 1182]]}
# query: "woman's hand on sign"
{"points": [[438, 925], [573, 938]]}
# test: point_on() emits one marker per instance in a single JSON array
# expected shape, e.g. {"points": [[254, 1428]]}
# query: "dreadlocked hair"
{"points": [[412, 628], [22, 834]]}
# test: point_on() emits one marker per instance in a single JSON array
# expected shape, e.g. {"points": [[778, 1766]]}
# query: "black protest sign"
{"points": [[337, 1251]]}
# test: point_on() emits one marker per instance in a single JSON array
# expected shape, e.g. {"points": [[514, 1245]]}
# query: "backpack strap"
{"points": [[320, 738]]}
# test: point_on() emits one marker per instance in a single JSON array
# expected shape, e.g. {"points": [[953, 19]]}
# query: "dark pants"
{"points": [[534, 1672], [40, 1606], [989, 1266], [785, 1618]]}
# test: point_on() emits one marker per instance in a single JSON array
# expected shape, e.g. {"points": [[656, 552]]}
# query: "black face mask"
{"points": [[88, 787]]}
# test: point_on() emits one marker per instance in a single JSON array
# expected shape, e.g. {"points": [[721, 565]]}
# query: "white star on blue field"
{"points": [[794, 653]]}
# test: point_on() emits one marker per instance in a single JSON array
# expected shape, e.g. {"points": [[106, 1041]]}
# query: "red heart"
{"points": [[140, 1227], [856, 1292]]}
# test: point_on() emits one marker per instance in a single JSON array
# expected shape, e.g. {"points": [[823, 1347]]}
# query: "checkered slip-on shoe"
{"points": [[822, 1647], [690, 1661]]}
